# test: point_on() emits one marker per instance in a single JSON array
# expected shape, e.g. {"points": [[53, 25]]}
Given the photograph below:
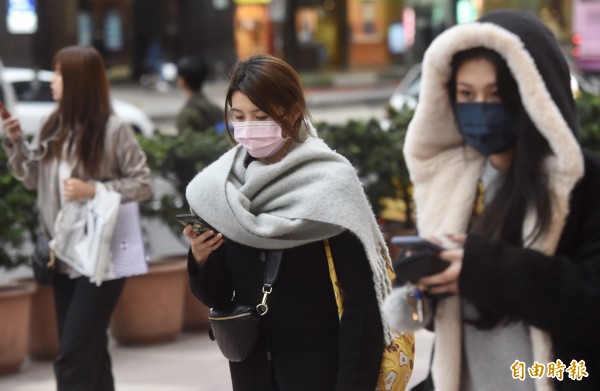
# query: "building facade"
{"points": [[137, 36]]}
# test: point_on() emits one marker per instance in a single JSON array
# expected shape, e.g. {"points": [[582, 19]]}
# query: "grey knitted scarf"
{"points": [[312, 194]]}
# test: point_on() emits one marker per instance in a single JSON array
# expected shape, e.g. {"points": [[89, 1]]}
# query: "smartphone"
{"points": [[418, 259], [3, 112], [415, 243], [198, 225]]}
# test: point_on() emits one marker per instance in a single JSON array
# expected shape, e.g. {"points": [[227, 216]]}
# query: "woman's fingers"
{"points": [[203, 244], [445, 281], [450, 274], [188, 232], [77, 189], [12, 129], [457, 238], [453, 256]]}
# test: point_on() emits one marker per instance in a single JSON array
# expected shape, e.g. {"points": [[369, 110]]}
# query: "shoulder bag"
{"points": [[101, 238], [42, 260], [83, 233], [398, 357], [235, 328]]}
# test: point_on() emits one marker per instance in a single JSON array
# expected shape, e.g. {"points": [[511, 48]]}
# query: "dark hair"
{"points": [[193, 71], [83, 109], [525, 184], [274, 87]]}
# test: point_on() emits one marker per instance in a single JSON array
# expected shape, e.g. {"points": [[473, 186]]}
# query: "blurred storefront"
{"points": [[136, 36], [102, 24], [253, 30], [556, 14], [369, 21], [315, 34]]}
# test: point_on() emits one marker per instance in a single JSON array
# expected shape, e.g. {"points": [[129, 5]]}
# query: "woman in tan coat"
{"points": [[82, 146]]}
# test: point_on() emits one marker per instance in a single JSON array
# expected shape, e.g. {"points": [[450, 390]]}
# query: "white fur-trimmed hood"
{"points": [[445, 171]]}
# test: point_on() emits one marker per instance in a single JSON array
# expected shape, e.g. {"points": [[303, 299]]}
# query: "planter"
{"points": [[195, 316], [43, 333], [150, 309], [15, 312]]}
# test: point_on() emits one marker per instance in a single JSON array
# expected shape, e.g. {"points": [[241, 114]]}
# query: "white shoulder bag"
{"points": [[83, 233]]}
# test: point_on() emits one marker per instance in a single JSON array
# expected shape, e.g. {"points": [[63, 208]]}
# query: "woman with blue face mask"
{"points": [[518, 307], [281, 193]]}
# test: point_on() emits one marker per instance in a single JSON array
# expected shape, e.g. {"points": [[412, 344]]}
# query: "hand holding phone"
{"points": [[199, 226], [419, 260]]}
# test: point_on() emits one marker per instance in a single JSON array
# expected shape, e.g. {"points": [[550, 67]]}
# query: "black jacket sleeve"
{"points": [[361, 331], [211, 283], [555, 294], [559, 294]]}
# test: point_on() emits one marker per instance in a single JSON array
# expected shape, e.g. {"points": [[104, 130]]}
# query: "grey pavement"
{"points": [[192, 362]]}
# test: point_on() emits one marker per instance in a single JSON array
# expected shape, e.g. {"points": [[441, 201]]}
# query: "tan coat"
{"points": [[124, 170]]}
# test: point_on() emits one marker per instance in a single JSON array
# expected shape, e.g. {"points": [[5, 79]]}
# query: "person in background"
{"points": [[283, 188], [199, 113], [496, 113], [82, 146]]}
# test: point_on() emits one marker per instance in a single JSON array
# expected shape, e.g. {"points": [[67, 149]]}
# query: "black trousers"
{"points": [[83, 313]]}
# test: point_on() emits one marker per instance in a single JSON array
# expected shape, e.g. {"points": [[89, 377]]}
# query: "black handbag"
{"points": [[43, 260], [235, 328]]}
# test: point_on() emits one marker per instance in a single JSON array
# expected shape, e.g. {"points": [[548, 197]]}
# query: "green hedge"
{"points": [[376, 153], [18, 218], [588, 109], [178, 159]]}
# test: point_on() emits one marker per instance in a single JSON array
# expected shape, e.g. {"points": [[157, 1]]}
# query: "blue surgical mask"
{"points": [[487, 127]]}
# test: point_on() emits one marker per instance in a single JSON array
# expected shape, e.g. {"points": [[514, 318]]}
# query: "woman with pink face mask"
{"points": [[283, 192]]}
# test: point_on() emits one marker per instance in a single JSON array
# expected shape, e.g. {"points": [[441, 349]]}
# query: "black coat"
{"points": [[301, 344], [558, 294]]}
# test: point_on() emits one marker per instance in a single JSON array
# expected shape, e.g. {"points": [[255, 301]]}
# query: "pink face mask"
{"points": [[260, 138]]}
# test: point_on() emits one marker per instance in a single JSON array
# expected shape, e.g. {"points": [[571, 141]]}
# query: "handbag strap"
{"points": [[271, 273], [272, 268], [337, 287]]}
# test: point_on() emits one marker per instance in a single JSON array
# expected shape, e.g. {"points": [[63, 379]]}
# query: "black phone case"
{"points": [[415, 243], [198, 225], [417, 265]]}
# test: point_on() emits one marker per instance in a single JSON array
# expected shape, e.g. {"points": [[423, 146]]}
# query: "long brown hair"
{"points": [[274, 87], [525, 185], [83, 110]]}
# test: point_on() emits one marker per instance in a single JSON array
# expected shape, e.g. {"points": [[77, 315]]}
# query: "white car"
{"points": [[33, 101], [406, 95], [7, 95]]}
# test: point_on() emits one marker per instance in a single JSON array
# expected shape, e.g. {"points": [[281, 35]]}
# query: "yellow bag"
{"points": [[398, 357]]}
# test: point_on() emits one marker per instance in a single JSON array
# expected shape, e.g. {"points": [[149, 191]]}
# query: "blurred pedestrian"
{"points": [[496, 113], [199, 113], [283, 188], [82, 146]]}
